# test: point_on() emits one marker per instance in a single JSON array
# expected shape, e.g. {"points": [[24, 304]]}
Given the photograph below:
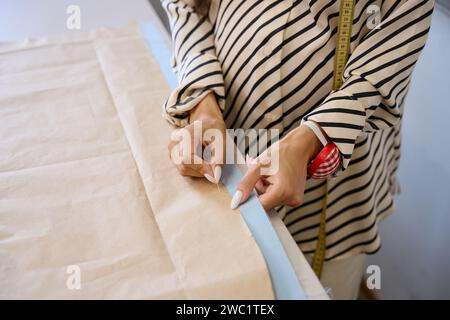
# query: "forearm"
{"points": [[194, 61], [376, 78]]}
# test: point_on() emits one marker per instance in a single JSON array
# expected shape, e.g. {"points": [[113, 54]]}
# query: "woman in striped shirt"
{"points": [[269, 65]]}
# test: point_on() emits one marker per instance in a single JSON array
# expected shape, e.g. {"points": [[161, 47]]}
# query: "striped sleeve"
{"points": [[376, 77], [194, 61]]}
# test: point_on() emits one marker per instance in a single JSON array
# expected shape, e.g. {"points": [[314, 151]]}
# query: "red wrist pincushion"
{"points": [[325, 163]]}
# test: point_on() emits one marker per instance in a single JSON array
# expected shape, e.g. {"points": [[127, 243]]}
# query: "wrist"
{"points": [[206, 109], [304, 142]]}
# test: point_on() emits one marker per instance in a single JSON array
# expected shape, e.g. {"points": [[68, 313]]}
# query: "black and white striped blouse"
{"points": [[270, 64]]}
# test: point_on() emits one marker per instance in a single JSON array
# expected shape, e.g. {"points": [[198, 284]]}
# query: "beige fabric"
{"points": [[85, 180]]}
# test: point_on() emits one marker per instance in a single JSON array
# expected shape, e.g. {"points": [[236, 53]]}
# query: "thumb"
{"points": [[271, 198], [246, 186]]}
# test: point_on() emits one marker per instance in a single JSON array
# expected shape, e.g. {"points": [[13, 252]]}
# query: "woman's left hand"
{"points": [[285, 186]]}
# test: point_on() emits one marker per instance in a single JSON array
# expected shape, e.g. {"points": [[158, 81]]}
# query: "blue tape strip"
{"points": [[160, 51], [284, 280]]}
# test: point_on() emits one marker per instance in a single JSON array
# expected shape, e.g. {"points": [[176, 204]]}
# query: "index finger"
{"points": [[246, 186]]}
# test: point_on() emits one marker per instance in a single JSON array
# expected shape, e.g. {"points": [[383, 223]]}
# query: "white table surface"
{"points": [[33, 18]]}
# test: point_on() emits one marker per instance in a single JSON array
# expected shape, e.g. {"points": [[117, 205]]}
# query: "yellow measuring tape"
{"points": [[340, 59]]}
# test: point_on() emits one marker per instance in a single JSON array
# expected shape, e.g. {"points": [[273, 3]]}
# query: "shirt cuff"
{"points": [[342, 117], [197, 78]]}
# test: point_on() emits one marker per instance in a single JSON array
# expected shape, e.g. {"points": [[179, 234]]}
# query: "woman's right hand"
{"points": [[186, 149]]}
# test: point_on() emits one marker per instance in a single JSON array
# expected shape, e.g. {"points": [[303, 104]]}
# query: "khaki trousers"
{"points": [[342, 278]]}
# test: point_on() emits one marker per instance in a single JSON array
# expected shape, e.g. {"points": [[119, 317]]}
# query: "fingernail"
{"points": [[236, 200], [217, 173], [209, 178]]}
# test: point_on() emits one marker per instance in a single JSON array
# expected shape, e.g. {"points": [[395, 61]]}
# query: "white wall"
{"points": [[32, 18], [415, 257]]}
